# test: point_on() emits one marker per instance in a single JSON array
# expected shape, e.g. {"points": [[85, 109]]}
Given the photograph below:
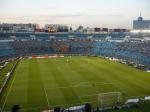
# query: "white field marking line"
{"points": [[81, 85], [91, 84], [8, 92], [46, 97], [83, 82], [33, 108], [96, 94], [109, 93], [73, 104], [88, 95]]}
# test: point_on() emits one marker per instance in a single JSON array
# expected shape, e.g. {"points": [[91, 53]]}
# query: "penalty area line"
{"points": [[81, 85], [88, 95]]}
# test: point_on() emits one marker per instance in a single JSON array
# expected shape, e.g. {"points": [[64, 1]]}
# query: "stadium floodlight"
{"points": [[109, 99]]}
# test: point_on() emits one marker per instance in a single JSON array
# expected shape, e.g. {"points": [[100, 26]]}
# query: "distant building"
{"points": [[56, 28], [90, 30], [39, 30], [80, 29], [105, 29], [97, 29], [141, 24], [7, 27], [118, 30]]}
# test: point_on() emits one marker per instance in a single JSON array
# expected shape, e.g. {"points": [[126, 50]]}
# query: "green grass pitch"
{"points": [[41, 83]]}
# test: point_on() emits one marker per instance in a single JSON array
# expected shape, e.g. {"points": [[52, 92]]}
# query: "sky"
{"points": [[92, 13]]}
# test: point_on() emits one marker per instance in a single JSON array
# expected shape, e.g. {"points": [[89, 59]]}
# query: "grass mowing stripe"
{"points": [[47, 98], [68, 93], [120, 76], [70, 74], [117, 74], [55, 96], [64, 82], [81, 85], [36, 95], [83, 71], [126, 69]]}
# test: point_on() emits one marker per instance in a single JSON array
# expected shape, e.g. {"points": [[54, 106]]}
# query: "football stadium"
{"points": [[74, 74], [74, 55]]}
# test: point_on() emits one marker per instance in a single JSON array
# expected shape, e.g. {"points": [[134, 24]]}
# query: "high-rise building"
{"points": [[141, 24]]}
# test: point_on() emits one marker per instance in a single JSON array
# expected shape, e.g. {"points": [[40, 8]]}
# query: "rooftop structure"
{"points": [[141, 24]]}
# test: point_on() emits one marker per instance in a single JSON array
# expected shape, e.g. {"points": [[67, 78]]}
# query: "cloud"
{"points": [[113, 15], [46, 17]]}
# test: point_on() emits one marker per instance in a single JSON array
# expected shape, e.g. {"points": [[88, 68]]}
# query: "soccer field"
{"points": [[41, 83]]}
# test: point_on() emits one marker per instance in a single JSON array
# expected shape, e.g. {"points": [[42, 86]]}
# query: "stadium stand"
{"points": [[137, 52]]}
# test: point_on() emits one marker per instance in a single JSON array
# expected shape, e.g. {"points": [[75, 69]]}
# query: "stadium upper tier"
{"points": [[46, 36]]}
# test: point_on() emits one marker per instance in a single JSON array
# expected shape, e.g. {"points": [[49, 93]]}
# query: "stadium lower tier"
{"points": [[138, 52]]}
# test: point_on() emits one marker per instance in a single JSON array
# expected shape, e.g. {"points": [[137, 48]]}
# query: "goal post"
{"points": [[109, 99]]}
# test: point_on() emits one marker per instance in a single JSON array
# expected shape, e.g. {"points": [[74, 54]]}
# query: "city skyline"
{"points": [[92, 13]]}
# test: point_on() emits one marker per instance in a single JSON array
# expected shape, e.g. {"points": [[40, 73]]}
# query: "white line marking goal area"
{"points": [[103, 99], [110, 98]]}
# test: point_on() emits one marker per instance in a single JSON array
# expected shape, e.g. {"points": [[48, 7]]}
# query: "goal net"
{"points": [[109, 99]]}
